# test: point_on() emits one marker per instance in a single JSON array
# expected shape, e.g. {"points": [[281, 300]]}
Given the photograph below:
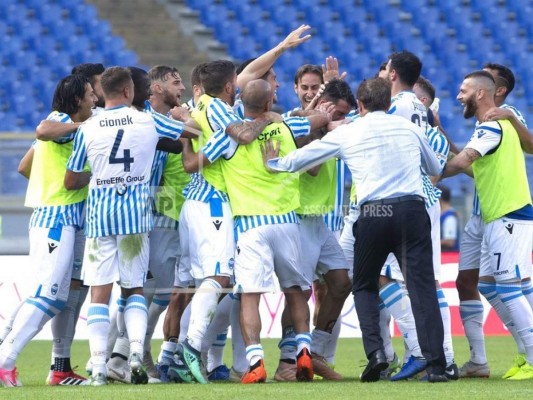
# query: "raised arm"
{"points": [[247, 131], [260, 66]]}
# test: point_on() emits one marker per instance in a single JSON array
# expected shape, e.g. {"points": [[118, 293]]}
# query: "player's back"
{"points": [[120, 143], [407, 105]]}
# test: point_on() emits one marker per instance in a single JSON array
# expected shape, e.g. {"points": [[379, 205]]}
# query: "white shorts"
{"points": [[392, 269], [116, 258], [266, 250], [207, 230], [347, 239], [52, 254], [164, 255], [182, 272], [321, 251], [470, 249], [79, 248], [506, 249]]}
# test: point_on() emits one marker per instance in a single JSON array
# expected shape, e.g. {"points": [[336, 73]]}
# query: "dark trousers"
{"points": [[402, 228]]}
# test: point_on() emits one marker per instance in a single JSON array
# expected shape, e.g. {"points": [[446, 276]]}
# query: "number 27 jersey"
{"points": [[119, 144]]}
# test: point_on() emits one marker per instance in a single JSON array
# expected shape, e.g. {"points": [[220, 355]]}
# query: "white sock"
{"points": [[521, 313], [488, 290], [319, 341], [218, 325], [135, 317], [30, 319], [117, 328], [121, 345], [159, 304], [184, 323], [472, 317], [527, 291], [9, 322], [98, 324], [203, 306], [215, 355], [240, 363], [254, 353], [396, 300], [287, 344], [166, 355], [447, 324], [303, 341], [331, 346], [63, 326], [384, 326]]}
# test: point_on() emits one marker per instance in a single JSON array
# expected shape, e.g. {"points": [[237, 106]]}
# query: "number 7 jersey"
{"points": [[119, 145]]}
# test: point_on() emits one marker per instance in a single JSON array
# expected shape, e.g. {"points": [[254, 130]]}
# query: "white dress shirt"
{"points": [[385, 154]]}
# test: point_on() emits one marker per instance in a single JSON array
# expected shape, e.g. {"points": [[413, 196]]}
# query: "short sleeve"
{"points": [[300, 126], [486, 137], [221, 115], [76, 162]]}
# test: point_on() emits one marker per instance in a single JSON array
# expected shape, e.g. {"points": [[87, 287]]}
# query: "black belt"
{"points": [[394, 200]]}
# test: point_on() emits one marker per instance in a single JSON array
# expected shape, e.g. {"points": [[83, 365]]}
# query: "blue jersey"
{"points": [[119, 145]]}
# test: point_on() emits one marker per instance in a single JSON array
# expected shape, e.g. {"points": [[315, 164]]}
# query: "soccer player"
{"points": [[468, 281], [119, 145], [57, 216], [268, 221], [206, 222], [322, 257], [93, 72], [403, 70], [495, 154]]}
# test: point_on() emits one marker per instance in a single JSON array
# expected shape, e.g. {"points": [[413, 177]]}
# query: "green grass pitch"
{"points": [[33, 362]]}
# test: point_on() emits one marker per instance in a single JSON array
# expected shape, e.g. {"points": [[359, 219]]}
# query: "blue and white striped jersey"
{"points": [[476, 210], [407, 105], [335, 219], [50, 216], [119, 145], [220, 115]]}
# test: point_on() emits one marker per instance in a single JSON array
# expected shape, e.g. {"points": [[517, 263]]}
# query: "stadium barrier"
{"points": [[16, 281]]}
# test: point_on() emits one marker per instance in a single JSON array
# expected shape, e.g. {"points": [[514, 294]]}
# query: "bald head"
{"points": [[257, 96]]}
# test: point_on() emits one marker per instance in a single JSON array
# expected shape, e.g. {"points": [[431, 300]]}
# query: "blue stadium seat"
{"points": [[8, 121]]}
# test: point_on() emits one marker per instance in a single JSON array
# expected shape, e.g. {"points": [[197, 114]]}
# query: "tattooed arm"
{"points": [[461, 162]]}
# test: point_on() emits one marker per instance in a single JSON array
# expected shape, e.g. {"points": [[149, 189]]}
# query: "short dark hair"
{"points": [[89, 70], [160, 72], [308, 69], [195, 75], [375, 94], [426, 86], [446, 193], [505, 74], [215, 74], [336, 90], [114, 80], [68, 91], [480, 74], [141, 83], [407, 65]]}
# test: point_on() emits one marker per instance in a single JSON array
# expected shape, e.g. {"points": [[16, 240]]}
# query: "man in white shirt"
{"points": [[386, 155]]}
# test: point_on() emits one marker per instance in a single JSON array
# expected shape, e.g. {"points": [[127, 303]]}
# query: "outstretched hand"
{"points": [[269, 151], [295, 38], [331, 69]]}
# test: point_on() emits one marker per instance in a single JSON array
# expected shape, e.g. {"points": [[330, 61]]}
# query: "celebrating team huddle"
{"points": [[198, 209]]}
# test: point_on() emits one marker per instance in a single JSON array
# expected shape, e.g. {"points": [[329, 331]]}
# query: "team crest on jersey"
{"points": [[480, 133], [217, 223]]}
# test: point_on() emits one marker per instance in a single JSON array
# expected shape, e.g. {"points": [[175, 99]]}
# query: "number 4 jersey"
{"points": [[119, 144]]}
